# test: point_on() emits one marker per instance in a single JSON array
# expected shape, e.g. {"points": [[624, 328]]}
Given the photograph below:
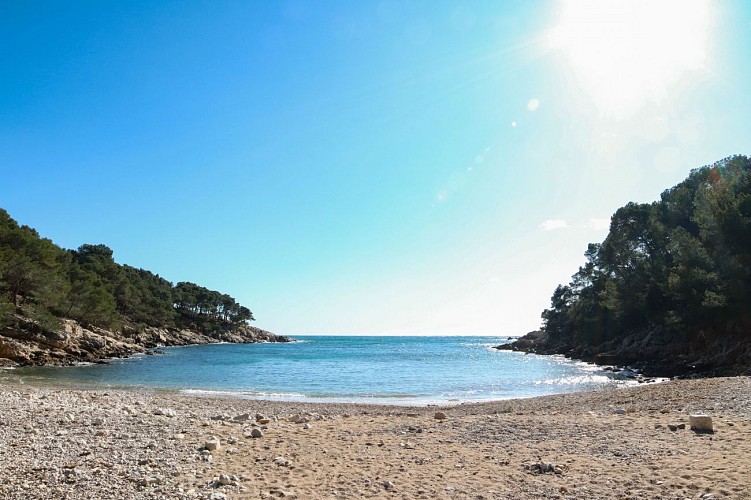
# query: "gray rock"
{"points": [[439, 415], [213, 444], [701, 423], [148, 481], [167, 412], [299, 419], [256, 433], [224, 480]]}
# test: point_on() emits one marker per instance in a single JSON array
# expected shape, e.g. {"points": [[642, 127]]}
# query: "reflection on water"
{"points": [[397, 370]]}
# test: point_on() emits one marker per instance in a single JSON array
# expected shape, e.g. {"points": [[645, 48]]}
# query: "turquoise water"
{"points": [[398, 370]]}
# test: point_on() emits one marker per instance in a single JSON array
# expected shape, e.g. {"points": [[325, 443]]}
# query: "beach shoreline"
{"points": [[615, 443]]}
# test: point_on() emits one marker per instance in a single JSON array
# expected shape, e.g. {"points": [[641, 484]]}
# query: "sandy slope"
{"points": [[84, 444]]}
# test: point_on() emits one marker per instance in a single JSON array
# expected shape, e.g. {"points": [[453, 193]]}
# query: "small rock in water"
{"points": [[439, 415]]}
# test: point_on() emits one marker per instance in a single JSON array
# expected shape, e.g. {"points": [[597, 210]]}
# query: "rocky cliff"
{"points": [[29, 344], [655, 353]]}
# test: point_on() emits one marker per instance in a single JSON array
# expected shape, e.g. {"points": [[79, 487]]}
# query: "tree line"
{"points": [[680, 265], [42, 282]]}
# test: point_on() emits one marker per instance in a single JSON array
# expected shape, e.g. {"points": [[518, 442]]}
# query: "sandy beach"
{"points": [[617, 443]]}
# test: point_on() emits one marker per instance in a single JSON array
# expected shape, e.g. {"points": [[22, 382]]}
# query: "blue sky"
{"points": [[375, 167]]}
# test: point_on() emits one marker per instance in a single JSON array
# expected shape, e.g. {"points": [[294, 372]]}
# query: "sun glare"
{"points": [[626, 53]]}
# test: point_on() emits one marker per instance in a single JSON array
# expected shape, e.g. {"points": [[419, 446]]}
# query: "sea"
{"points": [[384, 370]]}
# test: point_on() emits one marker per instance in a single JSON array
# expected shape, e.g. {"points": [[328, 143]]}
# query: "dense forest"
{"points": [[41, 284], [670, 286]]}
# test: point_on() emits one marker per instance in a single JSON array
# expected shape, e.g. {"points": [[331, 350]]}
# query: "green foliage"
{"points": [[41, 282], [682, 264], [197, 304]]}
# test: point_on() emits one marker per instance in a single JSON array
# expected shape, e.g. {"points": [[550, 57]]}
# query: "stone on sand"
{"points": [[702, 423]]}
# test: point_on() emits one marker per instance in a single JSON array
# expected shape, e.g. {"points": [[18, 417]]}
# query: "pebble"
{"points": [[213, 444], [256, 433], [116, 464], [439, 415]]}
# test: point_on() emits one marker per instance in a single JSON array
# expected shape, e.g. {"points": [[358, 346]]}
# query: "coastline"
{"points": [[500, 375], [73, 343], [82, 443], [653, 357]]}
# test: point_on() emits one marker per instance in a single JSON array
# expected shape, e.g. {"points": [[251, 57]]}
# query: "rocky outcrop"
{"points": [[159, 337], [29, 344], [655, 353]]}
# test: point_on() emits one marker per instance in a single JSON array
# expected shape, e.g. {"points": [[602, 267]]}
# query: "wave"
{"points": [[250, 394]]}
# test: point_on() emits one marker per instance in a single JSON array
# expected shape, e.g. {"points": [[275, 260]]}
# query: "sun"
{"points": [[627, 53]]}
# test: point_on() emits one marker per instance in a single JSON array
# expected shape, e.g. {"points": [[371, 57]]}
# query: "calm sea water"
{"points": [[398, 370]]}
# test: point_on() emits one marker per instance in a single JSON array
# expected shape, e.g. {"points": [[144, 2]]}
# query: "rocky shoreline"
{"points": [[74, 343], [653, 355], [618, 443]]}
